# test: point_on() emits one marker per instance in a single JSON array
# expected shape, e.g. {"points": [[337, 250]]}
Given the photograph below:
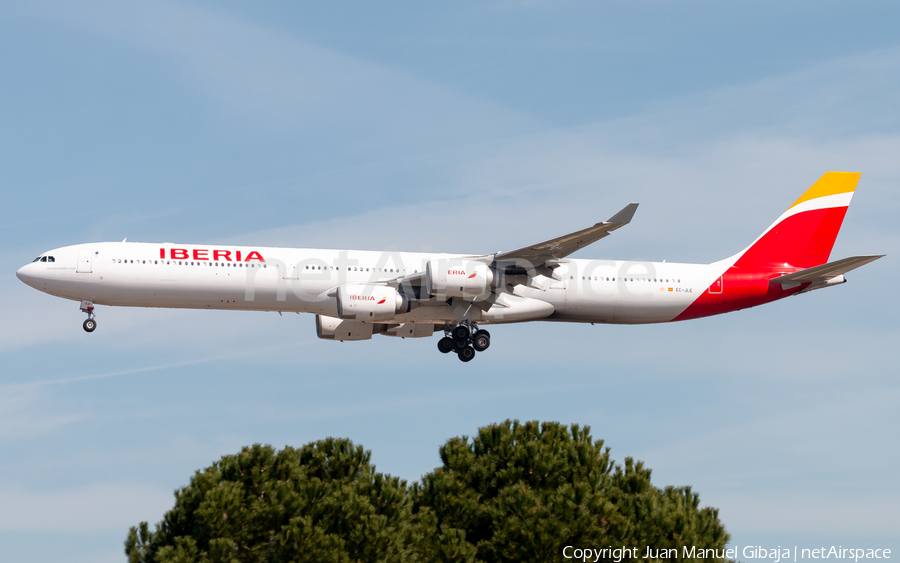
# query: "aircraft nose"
{"points": [[24, 275]]}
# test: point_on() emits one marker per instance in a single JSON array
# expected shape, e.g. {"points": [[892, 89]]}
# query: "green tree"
{"points": [[522, 492], [515, 492], [321, 503]]}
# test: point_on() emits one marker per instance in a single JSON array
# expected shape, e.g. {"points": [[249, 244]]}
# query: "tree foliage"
{"points": [[521, 492], [323, 502], [514, 492]]}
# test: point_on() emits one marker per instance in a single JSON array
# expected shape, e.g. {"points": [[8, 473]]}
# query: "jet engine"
{"points": [[329, 328], [369, 302], [458, 278]]}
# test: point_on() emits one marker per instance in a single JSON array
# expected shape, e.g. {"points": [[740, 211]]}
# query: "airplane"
{"points": [[356, 294]]}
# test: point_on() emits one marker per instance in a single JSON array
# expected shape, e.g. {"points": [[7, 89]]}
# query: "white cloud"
{"points": [[699, 207], [819, 514], [278, 82], [22, 415], [102, 507]]}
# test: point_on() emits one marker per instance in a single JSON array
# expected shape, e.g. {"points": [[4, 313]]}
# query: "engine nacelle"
{"points": [[369, 302], [329, 328], [458, 278], [411, 330]]}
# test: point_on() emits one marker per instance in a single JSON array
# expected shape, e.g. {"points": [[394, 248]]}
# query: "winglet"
{"points": [[624, 216]]}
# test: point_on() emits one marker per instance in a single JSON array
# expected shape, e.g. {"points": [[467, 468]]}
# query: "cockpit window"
{"points": [[51, 259], [43, 258], [38, 259]]}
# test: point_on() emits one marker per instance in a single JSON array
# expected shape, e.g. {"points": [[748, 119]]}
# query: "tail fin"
{"points": [[804, 234]]}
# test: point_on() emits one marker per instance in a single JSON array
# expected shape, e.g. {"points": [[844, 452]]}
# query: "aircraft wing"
{"points": [[825, 272], [561, 247], [538, 259]]}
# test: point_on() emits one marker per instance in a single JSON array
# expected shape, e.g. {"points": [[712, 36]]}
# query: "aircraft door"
{"points": [[291, 269], [716, 286], [85, 260]]}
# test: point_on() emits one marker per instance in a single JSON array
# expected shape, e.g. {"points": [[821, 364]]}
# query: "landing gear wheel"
{"points": [[88, 307], [446, 345], [466, 353], [481, 341], [461, 333], [482, 331]]}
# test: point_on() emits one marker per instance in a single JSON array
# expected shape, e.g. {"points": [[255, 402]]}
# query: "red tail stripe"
{"points": [[803, 240]]}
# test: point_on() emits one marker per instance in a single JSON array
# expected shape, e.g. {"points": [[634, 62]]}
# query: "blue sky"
{"points": [[472, 127]]}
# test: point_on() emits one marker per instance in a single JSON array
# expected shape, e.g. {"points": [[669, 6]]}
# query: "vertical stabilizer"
{"points": [[804, 234], [801, 238]]}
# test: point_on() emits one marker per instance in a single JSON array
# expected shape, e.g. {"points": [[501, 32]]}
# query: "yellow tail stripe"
{"points": [[830, 183]]}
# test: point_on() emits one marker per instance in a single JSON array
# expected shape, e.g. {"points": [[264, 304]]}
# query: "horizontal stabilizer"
{"points": [[825, 272]]}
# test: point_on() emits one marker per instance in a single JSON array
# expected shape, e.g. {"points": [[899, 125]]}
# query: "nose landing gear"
{"points": [[463, 342], [90, 324]]}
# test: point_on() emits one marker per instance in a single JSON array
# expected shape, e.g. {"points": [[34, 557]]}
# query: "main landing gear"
{"points": [[462, 341], [90, 324]]}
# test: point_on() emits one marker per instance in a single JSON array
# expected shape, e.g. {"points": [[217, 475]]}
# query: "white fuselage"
{"points": [[304, 280]]}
